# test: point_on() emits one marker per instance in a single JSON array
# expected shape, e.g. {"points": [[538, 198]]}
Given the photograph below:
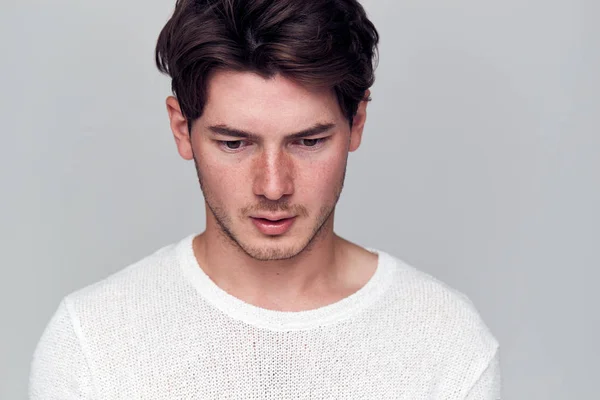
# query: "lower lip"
{"points": [[273, 228]]}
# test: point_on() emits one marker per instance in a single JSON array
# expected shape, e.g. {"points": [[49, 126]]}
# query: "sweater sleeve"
{"points": [[488, 385], [59, 369]]}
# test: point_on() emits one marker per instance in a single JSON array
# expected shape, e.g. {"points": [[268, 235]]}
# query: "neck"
{"points": [[272, 284]]}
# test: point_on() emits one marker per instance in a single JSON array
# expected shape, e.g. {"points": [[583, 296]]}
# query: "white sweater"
{"points": [[162, 329]]}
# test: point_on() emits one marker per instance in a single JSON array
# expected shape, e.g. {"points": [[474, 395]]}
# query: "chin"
{"points": [[271, 253], [274, 248]]}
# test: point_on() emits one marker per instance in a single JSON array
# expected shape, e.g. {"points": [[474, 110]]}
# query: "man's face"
{"points": [[270, 193]]}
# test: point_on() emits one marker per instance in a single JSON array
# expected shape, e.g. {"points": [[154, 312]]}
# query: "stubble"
{"points": [[271, 253]]}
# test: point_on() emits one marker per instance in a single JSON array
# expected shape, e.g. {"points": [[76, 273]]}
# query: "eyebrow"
{"points": [[222, 129]]}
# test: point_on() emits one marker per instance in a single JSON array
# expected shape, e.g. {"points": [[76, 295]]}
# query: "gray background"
{"points": [[479, 165]]}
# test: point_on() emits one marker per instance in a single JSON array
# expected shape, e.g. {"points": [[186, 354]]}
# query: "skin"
{"points": [[309, 266]]}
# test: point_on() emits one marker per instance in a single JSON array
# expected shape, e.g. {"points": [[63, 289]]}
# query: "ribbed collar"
{"points": [[285, 320]]}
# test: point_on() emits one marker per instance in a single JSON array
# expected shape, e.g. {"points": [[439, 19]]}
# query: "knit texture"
{"points": [[162, 329]]}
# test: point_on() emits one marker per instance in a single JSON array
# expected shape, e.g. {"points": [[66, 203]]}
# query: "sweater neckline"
{"points": [[284, 320]]}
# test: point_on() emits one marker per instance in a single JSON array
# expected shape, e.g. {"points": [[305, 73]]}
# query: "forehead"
{"points": [[246, 100]]}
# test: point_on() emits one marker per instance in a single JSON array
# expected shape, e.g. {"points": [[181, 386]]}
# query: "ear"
{"points": [[179, 126], [358, 123]]}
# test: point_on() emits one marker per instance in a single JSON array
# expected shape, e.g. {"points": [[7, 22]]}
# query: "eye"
{"points": [[310, 142], [313, 142], [231, 144]]}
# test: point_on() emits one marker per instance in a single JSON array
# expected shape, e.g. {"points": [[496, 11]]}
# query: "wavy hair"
{"points": [[318, 43]]}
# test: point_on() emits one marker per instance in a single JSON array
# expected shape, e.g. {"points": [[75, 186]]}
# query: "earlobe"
{"points": [[179, 127]]}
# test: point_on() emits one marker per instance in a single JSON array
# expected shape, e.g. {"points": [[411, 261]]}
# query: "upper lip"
{"points": [[273, 217]]}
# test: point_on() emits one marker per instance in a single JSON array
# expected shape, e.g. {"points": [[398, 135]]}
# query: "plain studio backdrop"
{"points": [[479, 165]]}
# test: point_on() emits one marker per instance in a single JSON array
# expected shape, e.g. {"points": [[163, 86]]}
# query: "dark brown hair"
{"points": [[318, 43]]}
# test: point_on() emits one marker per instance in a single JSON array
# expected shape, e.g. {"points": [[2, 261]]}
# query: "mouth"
{"points": [[272, 226]]}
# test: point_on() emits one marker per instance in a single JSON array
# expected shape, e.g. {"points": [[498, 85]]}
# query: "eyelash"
{"points": [[223, 144]]}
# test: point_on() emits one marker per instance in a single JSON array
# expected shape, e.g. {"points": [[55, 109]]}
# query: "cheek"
{"points": [[227, 183], [224, 182], [321, 180]]}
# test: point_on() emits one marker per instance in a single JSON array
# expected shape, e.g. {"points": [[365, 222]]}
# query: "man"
{"points": [[268, 302]]}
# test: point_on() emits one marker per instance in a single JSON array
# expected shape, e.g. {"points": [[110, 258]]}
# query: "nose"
{"points": [[273, 177]]}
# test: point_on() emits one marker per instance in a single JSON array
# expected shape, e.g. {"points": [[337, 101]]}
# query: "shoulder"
{"points": [[134, 289], [108, 314], [444, 315]]}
